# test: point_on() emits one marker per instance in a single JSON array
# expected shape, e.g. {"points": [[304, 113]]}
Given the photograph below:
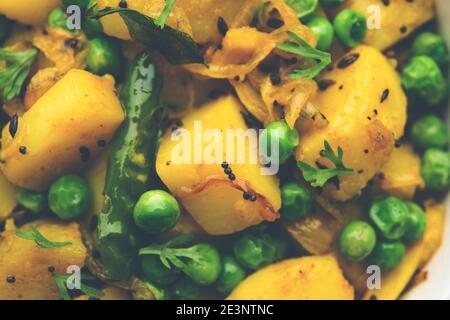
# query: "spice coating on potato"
{"points": [[60, 133], [366, 110], [307, 278], [205, 190], [28, 264], [28, 11]]}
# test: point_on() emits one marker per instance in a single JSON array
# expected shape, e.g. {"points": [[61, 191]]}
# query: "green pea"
{"points": [[204, 271], [105, 57], [332, 3], [33, 201], [232, 274], [304, 8], [431, 45], [388, 255], [255, 251], [423, 80], [390, 216], [296, 201], [323, 31], [186, 289], [156, 211], [350, 27], [69, 197], [279, 133], [417, 221], [155, 272], [436, 169], [357, 240], [4, 27], [58, 19], [429, 132]]}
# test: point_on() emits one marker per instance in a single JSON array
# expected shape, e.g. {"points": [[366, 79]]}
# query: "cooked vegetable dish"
{"points": [[234, 149]]}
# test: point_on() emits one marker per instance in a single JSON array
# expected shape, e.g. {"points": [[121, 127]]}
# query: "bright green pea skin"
{"points": [[4, 27], [69, 197], [296, 201], [357, 240], [287, 139], [432, 45], [323, 31], [429, 132], [332, 3], [388, 255], [33, 201], [58, 19], [390, 217], [436, 169], [155, 272], [350, 27], [207, 270], [156, 212], [255, 251], [423, 80], [232, 274], [186, 289], [417, 221], [105, 57]]}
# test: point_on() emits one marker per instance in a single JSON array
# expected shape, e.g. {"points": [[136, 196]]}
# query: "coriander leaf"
{"points": [[63, 292], [16, 71], [303, 8], [301, 47], [318, 177], [40, 240], [161, 21], [176, 46]]}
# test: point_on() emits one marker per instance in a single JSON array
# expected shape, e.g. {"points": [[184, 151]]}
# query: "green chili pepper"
{"points": [[131, 164]]}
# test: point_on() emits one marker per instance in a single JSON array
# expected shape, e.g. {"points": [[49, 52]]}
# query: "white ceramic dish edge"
{"points": [[437, 285]]}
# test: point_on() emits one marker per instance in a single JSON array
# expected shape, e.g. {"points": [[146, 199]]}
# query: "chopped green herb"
{"points": [[161, 20], [61, 283], [16, 71], [318, 177], [303, 8], [40, 240], [300, 47]]}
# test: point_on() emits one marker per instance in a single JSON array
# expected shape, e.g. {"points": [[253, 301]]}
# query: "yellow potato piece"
{"points": [[366, 110], [61, 127], [215, 202], [29, 263], [28, 11], [401, 176], [394, 282], [8, 195], [397, 20], [307, 278], [434, 232]]}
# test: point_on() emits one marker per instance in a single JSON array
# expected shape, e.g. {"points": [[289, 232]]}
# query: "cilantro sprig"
{"points": [[39, 239], [63, 292], [318, 177], [161, 20], [300, 47], [16, 71]]}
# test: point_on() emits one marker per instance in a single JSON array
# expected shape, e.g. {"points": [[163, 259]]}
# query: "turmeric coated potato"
{"points": [[8, 195], [215, 202], [391, 21], [307, 278], [61, 132], [26, 265], [28, 11], [366, 110]]}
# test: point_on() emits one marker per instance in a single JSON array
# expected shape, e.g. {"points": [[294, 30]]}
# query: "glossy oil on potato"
{"points": [[366, 110], [29, 263], [215, 202], [307, 278], [28, 11], [69, 119]]}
